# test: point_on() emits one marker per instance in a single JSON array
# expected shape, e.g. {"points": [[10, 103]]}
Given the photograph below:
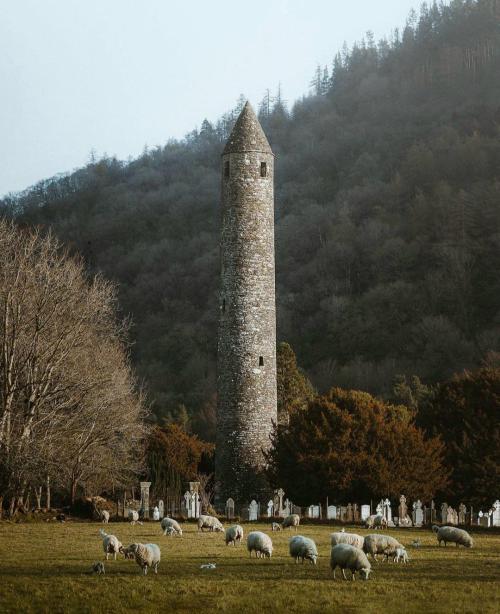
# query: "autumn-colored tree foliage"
{"points": [[294, 388], [349, 445], [174, 457], [465, 412]]}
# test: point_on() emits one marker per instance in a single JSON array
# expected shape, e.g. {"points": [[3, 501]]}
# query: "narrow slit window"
{"points": [[226, 168], [263, 169], [261, 361]]}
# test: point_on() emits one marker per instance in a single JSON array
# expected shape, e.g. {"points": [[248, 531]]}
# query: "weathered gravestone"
{"points": [[444, 513], [418, 516], [331, 512], [365, 512], [230, 508], [350, 513], [313, 511], [270, 508], [287, 508], [156, 513], [253, 510], [462, 513], [496, 514], [161, 508], [451, 516], [144, 507]]}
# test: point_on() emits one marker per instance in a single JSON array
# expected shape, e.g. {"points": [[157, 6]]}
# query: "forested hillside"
{"points": [[387, 219]]}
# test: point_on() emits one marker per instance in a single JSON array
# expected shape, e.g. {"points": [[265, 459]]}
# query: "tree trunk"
{"points": [[48, 492], [1, 506], [38, 495], [74, 486]]}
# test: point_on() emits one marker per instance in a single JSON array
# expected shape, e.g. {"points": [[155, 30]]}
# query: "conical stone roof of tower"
{"points": [[247, 134]]}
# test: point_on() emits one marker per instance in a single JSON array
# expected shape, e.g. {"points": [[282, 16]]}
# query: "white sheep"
{"points": [[346, 556], [260, 543], [401, 555], [211, 523], [353, 539], [276, 526], [303, 548], [291, 521], [104, 516], [376, 521], [170, 526], [234, 534], [133, 516], [453, 535], [146, 555], [381, 544], [110, 544]]}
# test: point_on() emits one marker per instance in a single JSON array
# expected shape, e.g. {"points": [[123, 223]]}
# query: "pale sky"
{"points": [[116, 75]]}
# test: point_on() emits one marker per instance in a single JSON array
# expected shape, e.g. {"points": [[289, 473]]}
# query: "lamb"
{"points": [[401, 555], [98, 568], [346, 556], [303, 548], [104, 516], [146, 555], [453, 535], [234, 534], [211, 523], [260, 543], [353, 539], [133, 516], [375, 521], [110, 544], [291, 521], [381, 544], [276, 526], [170, 526]]}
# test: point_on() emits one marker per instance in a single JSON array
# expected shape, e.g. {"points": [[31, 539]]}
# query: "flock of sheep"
{"points": [[348, 550]]}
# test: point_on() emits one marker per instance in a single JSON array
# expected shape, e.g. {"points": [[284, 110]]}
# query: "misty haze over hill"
{"points": [[387, 219]]}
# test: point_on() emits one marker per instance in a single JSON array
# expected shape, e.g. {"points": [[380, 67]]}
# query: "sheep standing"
{"points": [[381, 544], [401, 555], [291, 521], [234, 534], [303, 548], [211, 523], [105, 516], [353, 539], [454, 536], [346, 556], [133, 517], [110, 544], [170, 526], [146, 555], [276, 527], [376, 521], [260, 543]]}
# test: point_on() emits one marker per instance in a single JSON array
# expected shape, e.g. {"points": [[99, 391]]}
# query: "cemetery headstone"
{"points": [[418, 516], [462, 513], [145, 498], [365, 512], [156, 513], [270, 508], [444, 513], [161, 508], [253, 510], [350, 513], [496, 514], [230, 508], [331, 512]]}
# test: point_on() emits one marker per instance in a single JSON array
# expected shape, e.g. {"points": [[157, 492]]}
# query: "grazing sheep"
{"points": [[146, 555], [291, 521], [376, 521], [276, 527], [110, 544], [211, 523], [303, 548], [98, 568], [353, 539], [105, 516], [346, 556], [170, 526], [381, 544], [260, 543], [401, 555], [453, 535], [133, 516], [234, 534]]}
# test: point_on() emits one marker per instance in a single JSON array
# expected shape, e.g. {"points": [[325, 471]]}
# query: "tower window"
{"points": [[263, 169], [226, 168], [261, 361]]}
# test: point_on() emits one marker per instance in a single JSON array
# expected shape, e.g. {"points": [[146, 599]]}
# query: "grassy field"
{"points": [[44, 568]]}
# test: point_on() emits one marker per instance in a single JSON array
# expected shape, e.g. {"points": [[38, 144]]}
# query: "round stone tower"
{"points": [[246, 362]]}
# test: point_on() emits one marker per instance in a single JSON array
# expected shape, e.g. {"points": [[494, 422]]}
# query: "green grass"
{"points": [[44, 568]]}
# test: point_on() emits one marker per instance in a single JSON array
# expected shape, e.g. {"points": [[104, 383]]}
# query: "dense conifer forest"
{"points": [[387, 220]]}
